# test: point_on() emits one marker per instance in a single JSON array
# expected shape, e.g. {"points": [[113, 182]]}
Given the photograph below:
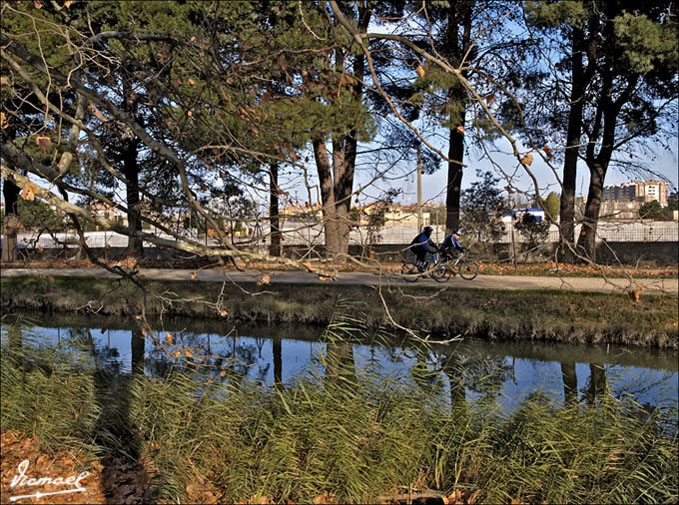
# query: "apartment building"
{"points": [[637, 191]]}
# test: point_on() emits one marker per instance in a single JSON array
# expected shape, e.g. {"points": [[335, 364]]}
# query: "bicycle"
{"points": [[467, 268], [413, 270]]}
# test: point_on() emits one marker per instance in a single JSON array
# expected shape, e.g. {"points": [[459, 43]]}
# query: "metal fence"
{"points": [[312, 234]]}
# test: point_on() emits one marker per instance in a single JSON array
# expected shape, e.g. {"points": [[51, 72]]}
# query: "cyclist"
{"points": [[423, 244], [451, 244]]}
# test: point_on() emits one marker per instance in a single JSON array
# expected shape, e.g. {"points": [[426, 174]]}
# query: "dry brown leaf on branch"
{"points": [[420, 71], [3, 121], [223, 313], [68, 4], [490, 99], [266, 279], [634, 295], [193, 276], [527, 160], [460, 130], [548, 152], [308, 266], [168, 338], [192, 82], [28, 193], [189, 353]]}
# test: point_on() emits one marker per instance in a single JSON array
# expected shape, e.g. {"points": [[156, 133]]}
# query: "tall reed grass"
{"points": [[349, 433], [46, 392]]}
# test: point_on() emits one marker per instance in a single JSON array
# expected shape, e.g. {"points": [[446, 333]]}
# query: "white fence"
{"points": [[313, 235]]}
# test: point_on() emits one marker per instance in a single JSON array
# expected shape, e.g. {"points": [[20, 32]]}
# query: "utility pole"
{"points": [[419, 189]]}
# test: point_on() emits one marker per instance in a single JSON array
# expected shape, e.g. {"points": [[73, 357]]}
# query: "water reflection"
{"points": [[488, 373]]}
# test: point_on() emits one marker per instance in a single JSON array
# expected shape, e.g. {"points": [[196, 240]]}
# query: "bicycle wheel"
{"points": [[469, 269], [410, 272], [441, 272]]}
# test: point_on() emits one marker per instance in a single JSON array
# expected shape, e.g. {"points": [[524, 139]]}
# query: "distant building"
{"points": [[624, 211], [112, 213], [398, 215], [637, 191], [301, 212]]}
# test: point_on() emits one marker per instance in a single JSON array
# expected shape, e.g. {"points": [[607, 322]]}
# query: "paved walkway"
{"points": [[509, 282]]}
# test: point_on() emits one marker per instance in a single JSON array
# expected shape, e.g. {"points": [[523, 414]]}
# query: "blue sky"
{"points": [[666, 165]]}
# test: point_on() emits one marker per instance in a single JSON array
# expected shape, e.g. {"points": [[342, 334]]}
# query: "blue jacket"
{"points": [[450, 243], [423, 241]]}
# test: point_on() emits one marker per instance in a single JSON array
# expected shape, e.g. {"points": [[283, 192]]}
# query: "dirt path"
{"points": [[508, 282]]}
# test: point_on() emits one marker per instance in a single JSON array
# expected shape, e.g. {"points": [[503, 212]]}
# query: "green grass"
{"points": [[543, 315]]}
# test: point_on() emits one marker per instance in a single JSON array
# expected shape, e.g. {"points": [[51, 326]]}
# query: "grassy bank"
{"points": [[339, 437], [542, 315]]}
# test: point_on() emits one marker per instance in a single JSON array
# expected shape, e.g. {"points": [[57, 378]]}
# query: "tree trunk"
{"points": [[567, 204], [458, 46], [327, 197], [337, 185], [274, 220], [10, 192], [604, 123], [135, 248], [587, 239], [344, 161], [456, 155]]}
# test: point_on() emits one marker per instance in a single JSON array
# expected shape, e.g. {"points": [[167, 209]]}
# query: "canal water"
{"points": [[506, 372]]}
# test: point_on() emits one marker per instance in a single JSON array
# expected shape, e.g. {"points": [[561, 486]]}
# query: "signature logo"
{"points": [[21, 480]]}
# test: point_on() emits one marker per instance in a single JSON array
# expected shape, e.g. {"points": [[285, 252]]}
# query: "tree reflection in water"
{"points": [[597, 385], [477, 372], [570, 382]]}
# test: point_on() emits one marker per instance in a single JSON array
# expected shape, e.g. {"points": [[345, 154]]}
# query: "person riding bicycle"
{"points": [[423, 244], [451, 245]]}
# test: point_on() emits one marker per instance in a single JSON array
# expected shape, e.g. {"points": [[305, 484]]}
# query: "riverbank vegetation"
{"points": [[539, 315], [338, 434]]}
